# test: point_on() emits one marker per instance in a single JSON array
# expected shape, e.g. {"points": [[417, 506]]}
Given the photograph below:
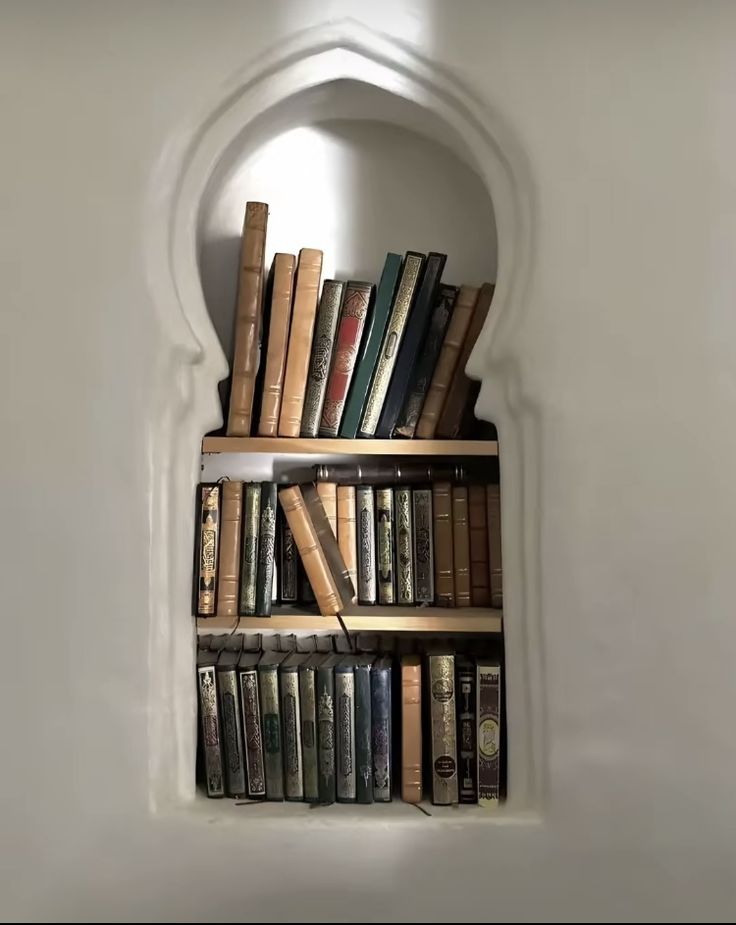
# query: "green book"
{"points": [[372, 340]]}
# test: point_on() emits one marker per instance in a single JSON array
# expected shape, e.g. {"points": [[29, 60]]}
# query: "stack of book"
{"points": [[357, 360], [377, 534], [282, 718]]}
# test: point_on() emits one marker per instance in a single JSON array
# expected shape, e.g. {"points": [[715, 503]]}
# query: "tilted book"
{"points": [[276, 344], [366, 525], [249, 548], [229, 564], [488, 679], [385, 541], [229, 701], [381, 730], [423, 545], [207, 549], [250, 705], [442, 723], [266, 549], [326, 529], [404, 546], [319, 363], [444, 572]]}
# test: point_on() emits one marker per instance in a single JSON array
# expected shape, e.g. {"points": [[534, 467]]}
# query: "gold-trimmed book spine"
{"points": [[292, 737], [385, 541], [209, 526], [443, 727], [288, 586], [423, 536], [249, 548], [327, 492], [480, 587], [411, 729], [444, 573], [229, 559], [210, 726], [278, 343], [404, 546], [488, 684], [461, 545], [319, 362], [366, 523]]}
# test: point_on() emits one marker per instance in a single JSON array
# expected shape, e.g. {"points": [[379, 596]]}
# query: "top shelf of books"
{"points": [[318, 446]]}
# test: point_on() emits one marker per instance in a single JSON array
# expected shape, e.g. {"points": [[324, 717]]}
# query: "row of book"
{"points": [[360, 360], [305, 720], [406, 544]]}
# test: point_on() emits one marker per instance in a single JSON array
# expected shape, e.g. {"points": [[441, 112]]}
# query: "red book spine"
{"points": [[347, 343]]}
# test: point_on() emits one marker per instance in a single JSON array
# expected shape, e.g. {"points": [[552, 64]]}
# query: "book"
{"points": [[461, 545], [229, 703], [209, 719], [480, 587], [462, 392], [404, 546], [442, 705], [412, 344], [319, 363], [247, 320], [444, 569], [347, 535], [447, 362], [366, 526], [400, 310], [387, 474], [423, 537], [345, 731], [250, 705], [327, 492], [381, 731], [291, 725], [355, 309], [308, 710], [411, 728], [493, 497], [326, 536], [249, 548], [406, 423], [207, 549], [488, 709], [268, 690], [465, 697], [298, 355], [385, 542], [326, 727], [363, 730], [375, 328], [277, 344], [288, 559], [229, 564], [266, 549]]}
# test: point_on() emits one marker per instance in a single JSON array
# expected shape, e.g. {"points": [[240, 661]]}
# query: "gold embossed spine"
{"points": [[443, 729], [385, 539], [208, 549], [404, 550]]}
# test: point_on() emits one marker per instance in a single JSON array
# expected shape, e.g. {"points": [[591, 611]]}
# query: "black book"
{"points": [[250, 706], [326, 727], [209, 718], [345, 730], [466, 700], [363, 742], [229, 701], [381, 729], [268, 689], [308, 710], [266, 549], [263, 335]]}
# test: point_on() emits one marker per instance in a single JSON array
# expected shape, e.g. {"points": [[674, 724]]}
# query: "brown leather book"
{"points": [[444, 572], [327, 538], [480, 587], [278, 342], [463, 390], [347, 534], [248, 320], [411, 728], [300, 341], [229, 567], [383, 474], [461, 545], [448, 359], [310, 551], [327, 492], [493, 497]]}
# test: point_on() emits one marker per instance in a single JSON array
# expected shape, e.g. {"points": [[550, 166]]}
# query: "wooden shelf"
{"points": [[302, 446], [367, 619]]}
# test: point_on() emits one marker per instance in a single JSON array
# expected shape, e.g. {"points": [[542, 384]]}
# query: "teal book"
{"points": [[371, 345]]}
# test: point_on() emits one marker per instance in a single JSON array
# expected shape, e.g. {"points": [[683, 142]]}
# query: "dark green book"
{"points": [[266, 549], [249, 548], [363, 743], [326, 728], [371, 344]]}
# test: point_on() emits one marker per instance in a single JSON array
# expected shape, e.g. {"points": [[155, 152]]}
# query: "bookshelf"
{"points": [[303, 446]]}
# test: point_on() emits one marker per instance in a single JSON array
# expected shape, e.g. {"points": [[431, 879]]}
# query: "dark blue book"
{"points": [[381, 729], [363, 731]]}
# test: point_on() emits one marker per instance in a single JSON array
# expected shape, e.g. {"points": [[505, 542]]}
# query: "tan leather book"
{"points": [[248, 320], [327, 492], [278, 342], [463, 390], [300, 341], [493, 497], [461, 545], [310, 551], [411, 728], [444, 572], [447, 362], [328, 543], [347, 533], [229, 567], [480, 587]]}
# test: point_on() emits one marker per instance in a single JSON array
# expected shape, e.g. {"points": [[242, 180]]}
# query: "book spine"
{"points": [[375, 328], [268, 685], [385, 545], [493, 497], [411, 410], [319, 364], [488, 684], [353, 314], [383, 474], [465, 695], [363, 743], [461, 545], [404, 548], [308, 709], [248, 320], [411, 729], [366, 511], [209, 524], [266, 549], [327, 492], [292, 735], [444, 578], [423, 545], [447, 363], [306, 594], [300, 341], [400, 310], [345, 722], [480, 588], [442, 722], [278, 341], [232, 736], [381, 733], [229, 564], [325, 528], [210, 726], [326, 734], [251, 709], [288, 589], [249, 548], [347, 536]]}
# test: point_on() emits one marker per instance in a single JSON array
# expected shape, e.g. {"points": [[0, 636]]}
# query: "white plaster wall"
{"points": [[625, 351]]}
